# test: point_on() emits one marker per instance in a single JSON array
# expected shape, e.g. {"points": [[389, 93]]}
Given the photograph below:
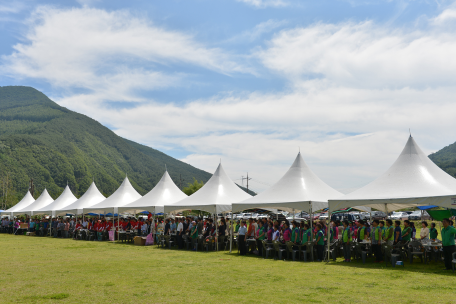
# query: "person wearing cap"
{"points": [[448, 234]]}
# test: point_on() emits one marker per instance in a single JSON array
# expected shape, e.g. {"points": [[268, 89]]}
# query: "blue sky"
{"points": [[248, 81]]}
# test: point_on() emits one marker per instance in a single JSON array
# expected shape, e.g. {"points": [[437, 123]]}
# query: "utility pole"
{"points": [[247, 178], [181, 180], [32, 187]]}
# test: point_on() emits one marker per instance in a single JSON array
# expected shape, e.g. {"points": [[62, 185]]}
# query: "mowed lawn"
{"points": [[47, 270]]}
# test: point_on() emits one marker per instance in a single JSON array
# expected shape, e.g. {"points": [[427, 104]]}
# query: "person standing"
{"points": [[346, 239], [259, 239], [194, 236], [320, 242], [180, 231], [388, 235], [407, 232], [397, 232], [448, 234], [433, 233], [424, 233], [242, 234], [377, 241]]}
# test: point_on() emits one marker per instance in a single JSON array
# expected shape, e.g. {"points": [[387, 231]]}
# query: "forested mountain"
{"points": [[41, 140], [446, 159]]}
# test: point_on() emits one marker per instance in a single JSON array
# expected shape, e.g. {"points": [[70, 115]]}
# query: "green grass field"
{"points": [[47, 270]]}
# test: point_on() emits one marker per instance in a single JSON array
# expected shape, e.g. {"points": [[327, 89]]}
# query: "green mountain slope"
{"points": [[446, 159], [41, 140]]}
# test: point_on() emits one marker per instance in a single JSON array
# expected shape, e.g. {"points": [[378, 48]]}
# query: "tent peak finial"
{"points": [[410, 132]]}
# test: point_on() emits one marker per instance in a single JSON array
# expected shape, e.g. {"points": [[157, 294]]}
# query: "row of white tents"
{"points": [[413, 180]]}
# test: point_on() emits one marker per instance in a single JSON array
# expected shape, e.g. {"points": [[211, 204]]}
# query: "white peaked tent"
{"points": [[62, 201], [216, 196], [44, 200], [298, 189], [164, 193], [123, 195], [413, 180], [91, 197], [26, 201]]}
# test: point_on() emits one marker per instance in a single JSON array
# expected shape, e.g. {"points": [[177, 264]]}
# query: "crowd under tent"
{"points": [[164, 193], [91, 197], [216, 196], [26, 201], [42, 201], [123, 195], [298, 190], [65, 199], [413, 180]]}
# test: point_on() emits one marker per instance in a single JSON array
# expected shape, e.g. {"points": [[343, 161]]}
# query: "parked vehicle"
{"points": [[323, 216], [416, 215], [378, 215], [401, 216], [342, 217]]}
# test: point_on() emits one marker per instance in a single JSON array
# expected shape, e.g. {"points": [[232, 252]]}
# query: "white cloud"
{"points": [[354, 90], [258, 31], [12, 7], [110, 53], [265, 3]]}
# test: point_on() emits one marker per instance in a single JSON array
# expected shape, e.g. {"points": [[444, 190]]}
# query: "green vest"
{"points": [[195, 235], [433, 233], [361, 233], [305, 237], [261, 230], [295, 233], [376, 233], [346, 235], [408, 236], [388, 230], [448, 236]]}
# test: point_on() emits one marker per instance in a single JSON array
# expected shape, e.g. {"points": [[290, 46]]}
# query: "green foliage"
{"points": [[446, 159], [192, 188], [41, 140]]}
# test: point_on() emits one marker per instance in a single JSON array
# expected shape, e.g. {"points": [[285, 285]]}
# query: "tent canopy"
{"points": [[215, 196], [44, 200], [164, 193], [26, 201], [123, 195], [413, 180], [299, 189], [63, 200], [91, 197]]}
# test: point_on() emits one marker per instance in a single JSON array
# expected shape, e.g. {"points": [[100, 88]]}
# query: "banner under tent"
{"points": [[26, 201], [91, 197], [66, 198], [42, 201]]}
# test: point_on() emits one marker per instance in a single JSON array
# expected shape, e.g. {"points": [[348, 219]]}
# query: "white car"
{"points": [[400, 216]]}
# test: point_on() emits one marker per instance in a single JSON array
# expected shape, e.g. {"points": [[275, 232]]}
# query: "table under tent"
{"points": [[413, 180], [216, 196]]}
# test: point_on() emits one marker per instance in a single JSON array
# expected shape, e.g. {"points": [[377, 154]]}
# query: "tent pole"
{"points": [[216, 229], [311, 231], [328, 235], [231, 231]]}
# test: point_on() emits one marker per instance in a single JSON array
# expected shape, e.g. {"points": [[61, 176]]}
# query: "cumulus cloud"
{"points": [[354, 90], [109, 53]]}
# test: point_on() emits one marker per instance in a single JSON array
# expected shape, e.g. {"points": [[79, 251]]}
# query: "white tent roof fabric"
{"points": [[44, 200], [413, 180], [298, 189], [62, 201], [164, 193], [91, 197], [216, 195], [124, 194], [26, 201]]}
